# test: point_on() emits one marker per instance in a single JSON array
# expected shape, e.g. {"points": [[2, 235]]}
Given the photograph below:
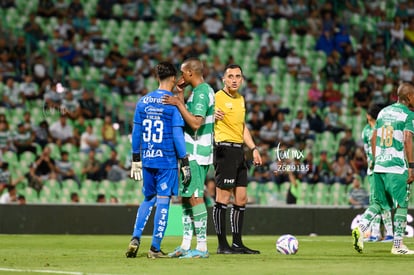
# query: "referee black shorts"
{"points": [[230, 165]]}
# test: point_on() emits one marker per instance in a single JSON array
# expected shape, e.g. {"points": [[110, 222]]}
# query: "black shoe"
{"points": [[244, 250], [154, 254], [132, 248], [226, 250]]}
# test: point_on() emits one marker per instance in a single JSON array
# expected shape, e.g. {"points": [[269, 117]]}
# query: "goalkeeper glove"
{"points": [[185, 171], [136, 167]]}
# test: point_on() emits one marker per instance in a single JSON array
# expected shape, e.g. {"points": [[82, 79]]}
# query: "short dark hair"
{"points": [[165, 70], [100, 196], [373, 110], [4, 165], [233, 66], [10, 187]]}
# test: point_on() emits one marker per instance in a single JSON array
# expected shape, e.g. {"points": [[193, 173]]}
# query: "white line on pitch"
{"points": [[48, 271]]}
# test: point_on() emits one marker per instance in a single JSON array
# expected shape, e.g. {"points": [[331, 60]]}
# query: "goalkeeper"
{"points": [[157, 142]]}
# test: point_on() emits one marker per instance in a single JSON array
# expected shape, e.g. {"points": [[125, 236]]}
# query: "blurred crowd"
{"points": [[43, 65]]}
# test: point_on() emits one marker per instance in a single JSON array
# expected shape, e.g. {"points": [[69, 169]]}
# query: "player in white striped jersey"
{"points": [[393, 166], [372, 114]]}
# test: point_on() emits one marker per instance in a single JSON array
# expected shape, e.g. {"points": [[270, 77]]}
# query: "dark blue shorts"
{"points": [[161, 182]]}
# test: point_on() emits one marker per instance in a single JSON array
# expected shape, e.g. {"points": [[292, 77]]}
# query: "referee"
{"points": [[230, 134]]}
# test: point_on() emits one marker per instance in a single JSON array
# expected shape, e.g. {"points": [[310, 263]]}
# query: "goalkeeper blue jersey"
{"points": [[152, 135]]}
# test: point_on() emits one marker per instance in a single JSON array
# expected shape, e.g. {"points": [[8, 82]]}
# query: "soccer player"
{"points": [[230, 134], [157, 142], [372, 114], [391, 150], [198, 113]]}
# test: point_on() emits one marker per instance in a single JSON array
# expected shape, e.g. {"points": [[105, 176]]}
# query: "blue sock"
{"points": [[143, 213], [160, 222]]}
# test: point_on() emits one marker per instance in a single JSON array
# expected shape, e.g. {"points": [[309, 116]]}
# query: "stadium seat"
{"points": [[31, 195], [321, 193], [71, 149], [117, 10], [337, 193], [70, 184], [48, 195], [11, 18], [307, 193], [245, 17], [295, 41], [89, 8], [282, 25], [76, 72], [279, 64], [252, 190], [28, 156], [10, 157], [309, 42], [77, 167]]}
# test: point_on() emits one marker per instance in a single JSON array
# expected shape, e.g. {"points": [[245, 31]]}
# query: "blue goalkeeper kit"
{"points": [[159, 137], [160, 125]]}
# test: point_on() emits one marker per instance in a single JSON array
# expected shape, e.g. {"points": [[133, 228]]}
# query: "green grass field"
{"points": [[86, 254]]}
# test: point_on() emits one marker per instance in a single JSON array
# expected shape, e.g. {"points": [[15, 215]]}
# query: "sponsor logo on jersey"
{"points": [[151, 110], [152, 153], [384, 158], [199, 107], [150, 99]]}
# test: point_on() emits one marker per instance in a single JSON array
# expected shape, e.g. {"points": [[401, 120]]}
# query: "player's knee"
{"points": [[240, 201], [222, 198]]}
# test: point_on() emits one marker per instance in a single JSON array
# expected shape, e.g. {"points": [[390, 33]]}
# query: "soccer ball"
{"points": [[287, 245]]}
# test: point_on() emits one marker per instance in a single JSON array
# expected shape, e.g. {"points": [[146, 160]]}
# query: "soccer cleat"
{"points": [[193, 254], [244, 249], [156, 254], [178, 252], [402, 250], [388, 239], [358, 239], [132, 248], [373, 239]]}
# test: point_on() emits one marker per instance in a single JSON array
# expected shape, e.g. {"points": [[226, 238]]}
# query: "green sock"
{"points": [[187, 226], [375, 226], [200, 225], [368, 216], [400, 222], [386, 218]]}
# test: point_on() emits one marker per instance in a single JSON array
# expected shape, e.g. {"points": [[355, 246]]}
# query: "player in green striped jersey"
{"points": [[372, 114], [391, 150], [198, 114]]}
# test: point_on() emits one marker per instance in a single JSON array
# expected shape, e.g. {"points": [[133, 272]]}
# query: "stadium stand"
{"points": [[106, 47]]}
